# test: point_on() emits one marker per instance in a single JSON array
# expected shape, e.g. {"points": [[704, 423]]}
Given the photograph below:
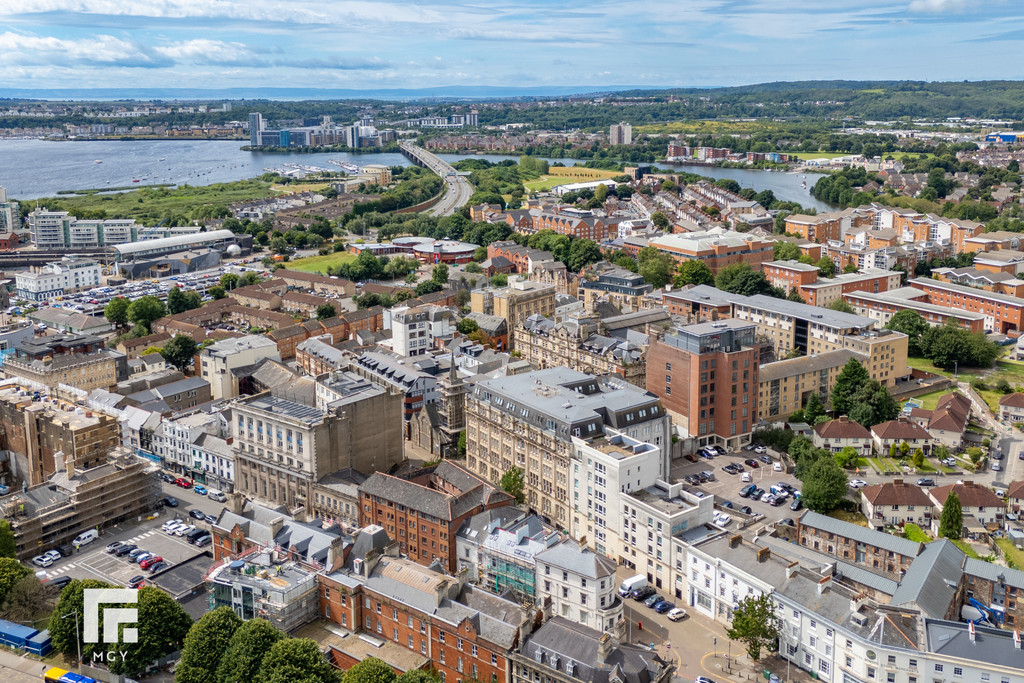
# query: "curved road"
{"points": [[459, 189]]}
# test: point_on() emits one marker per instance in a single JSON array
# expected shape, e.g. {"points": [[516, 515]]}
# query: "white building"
{"points": [[620, 134], [218, 360], [10, 220], [580, 584], [175, 439], [414, 329], [70, 274], [61, 230], [213, 462]]}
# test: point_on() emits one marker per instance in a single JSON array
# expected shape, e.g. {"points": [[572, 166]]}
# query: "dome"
{"points": [[234, 250]]}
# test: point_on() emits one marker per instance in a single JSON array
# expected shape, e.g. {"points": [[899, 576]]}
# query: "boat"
{"points": [[162, 159], [98, 161], [135, 180], [804, 184]]}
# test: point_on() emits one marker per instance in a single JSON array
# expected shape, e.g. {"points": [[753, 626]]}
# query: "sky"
{"points": [[363, 44]]}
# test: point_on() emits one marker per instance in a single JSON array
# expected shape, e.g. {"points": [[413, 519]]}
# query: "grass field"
{"points": [[319, 264], [930, 401], [1014, 557], [698, 127], [805, 156], [295, 188], [563, 176]]}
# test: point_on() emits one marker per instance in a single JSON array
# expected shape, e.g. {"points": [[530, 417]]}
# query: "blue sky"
{"points": [[385, 44]]}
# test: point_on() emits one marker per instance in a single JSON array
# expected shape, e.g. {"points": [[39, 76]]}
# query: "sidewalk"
{"points": [[14, 667]]}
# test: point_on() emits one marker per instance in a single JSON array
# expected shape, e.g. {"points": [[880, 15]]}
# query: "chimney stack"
{"points": [[791, 569], [763, 554], [605, 647], [735, 540], [824, 583]]}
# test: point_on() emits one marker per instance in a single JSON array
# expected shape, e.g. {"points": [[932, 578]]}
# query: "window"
{"points": [[938, 668], [440, 636], [958, 671]]}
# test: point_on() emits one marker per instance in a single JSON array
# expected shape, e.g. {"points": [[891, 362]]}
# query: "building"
{"points": [[821, 229], [245, 529], [425, 509], [795, 327], [413, 330], [288, 438], [826, 291], [576, 344], [529, 421], [70, 274], [1003, 314], [790, 275], [515, 303], [895, 503], [883, 306], [218, 362], [60, 230], [579, 584], [882, 554], [716, 247], [562, 651], [218, 240], [883, 353], [283, 593], [899, 431], [399, 375], [620, 134], [707, 376], [172, 397], [618, 286], [836, 435], [948, 422], [785, 386], [983, 511], [101, 369], [1011, 407]]}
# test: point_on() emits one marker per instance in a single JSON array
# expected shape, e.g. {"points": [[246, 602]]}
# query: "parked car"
{"points": [[43, 561], [59, 583], [171, 522], [199, 489], [125, 549], [765, 459], [184, 529], [169, 501], [796, 504], [204, 541], [757, 494], [210, 519], [114, 546], [653, 600], [777, 466], [136, 581], [926, 481], [183, 483], [158, 566], [196, 514], [134, 554], [857, 483], [53, 555], [85, 538], [726, 504], [691, 457], [996, 467], [150, 561], [746, 490], [760, 449], [747, 510], [642, 593], [141, 557], [750, 462], [664, 606], [676, 614], [767, 498], [692, 479]]}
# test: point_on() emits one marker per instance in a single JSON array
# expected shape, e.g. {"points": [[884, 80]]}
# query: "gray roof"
{"points": [[860, 534], [473, 492], [166, 390], [973, 291], [706, 294], [582, 561], [994, 572], [798, 366], [990, 645], [858, 574], [931, 581], [560, 641], [284, 407], [815, 314], [310, 540]]}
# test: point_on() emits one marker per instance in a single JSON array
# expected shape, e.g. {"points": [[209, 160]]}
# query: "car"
{"points": [[796, 504], [196, 514], [707, 455], [202, 537], [767, 498], [183, 483], [204, 541], [136, 581], [1000, 493], [653, 600], [85, 538], [760, 449], [751, 463], [787, 486], [642, 593], [722, 520], [200, 489], [704, 476], [692, 479], [158, 566], [150, 561], [172, 522], [996, 455], [702, 679], [664, 606], [184, 529], [42, 561], [169, 501], [53, 554], [729, 469], [757, 493], [765, 459], [60, 582], [174, 529], [676, 614], [142, 556], [857, 483], [114, 546], [210, 519], [134, 554], [996, 467], [125, 549], [691, 457], [747, 510], [726, 504], [926, 481]]}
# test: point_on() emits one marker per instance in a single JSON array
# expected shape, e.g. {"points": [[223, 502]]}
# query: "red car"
{"points": [[183, 483], [150, 561]]}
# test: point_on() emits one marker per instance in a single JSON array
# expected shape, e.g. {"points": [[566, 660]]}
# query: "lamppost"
{"points": [[714, 641], [78, 638]]}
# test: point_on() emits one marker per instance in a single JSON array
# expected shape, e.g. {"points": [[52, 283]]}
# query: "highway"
{"points": [[459, 189]]}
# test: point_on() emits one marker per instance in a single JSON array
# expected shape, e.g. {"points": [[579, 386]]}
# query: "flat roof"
{"points": [[824, 316], [972, 291], [173, 241]]}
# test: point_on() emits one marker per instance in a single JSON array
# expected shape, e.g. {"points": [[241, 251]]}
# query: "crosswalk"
{"points": [[57, 571], [138, 538]]}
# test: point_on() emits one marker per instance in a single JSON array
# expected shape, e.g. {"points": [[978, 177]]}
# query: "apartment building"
{"points": [[576, 344], [1002, 313], [497, 549], [882, 307], [100, 369], [785, 386], [789, 275], [707, 376], [288, 600], [716, 247], [417, 387], [580, 585], [1008, 261], [618, 286], [413, 330], [70, 274], [424, 509], [883, 353], [218, 362], [529, 420], [61, 230], [1002, 283], [515, 303], [791, 326], [826, 291], [285, 439], [822, 228]]}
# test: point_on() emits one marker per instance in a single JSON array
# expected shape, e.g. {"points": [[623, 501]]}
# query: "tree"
{"points": [[176, 300], [513, 482], [755, 623], [462, 442], [814, 408], [694, 273], [467, 326], [918, 458], [229, 281], [217, 292], [180, 351], [655, 267], [499, 280], [846, 457], [418, 676], [144, 310], [251, 641], [660, 220], [206, 642], [11, 572], [249, 278], [912, 324], [27, 599], [370, 670], [582, 253], [116, 311], [440, 274], [192, 300], [842, 306], [8, 548], [824, 485], [296, 660], [951, 523], [786, 251], [428, 287], [849, 268], [325, 311], [873, 404], [852, 377], [826, 267], [740, 278]]}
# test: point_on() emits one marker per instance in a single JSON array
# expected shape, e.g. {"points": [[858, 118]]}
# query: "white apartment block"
{"points": [[218, 360], [174, 439], [580, 584], [10, 218], [56, 279], [414, 329], [61, 230]]}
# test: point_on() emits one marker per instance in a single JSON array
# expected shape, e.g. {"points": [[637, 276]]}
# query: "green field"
{"points": [[930, 401], [319, 264], [1014, 557], [805, 156]]}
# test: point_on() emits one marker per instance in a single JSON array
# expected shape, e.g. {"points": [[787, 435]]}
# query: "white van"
{"points": [[85, 538], [631, 584], [217, 496]]}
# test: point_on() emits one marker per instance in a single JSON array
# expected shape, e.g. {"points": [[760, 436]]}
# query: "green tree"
{"points": [[418, 676], [755, 623], [249, 278], [176, 300], [144, 310], [440, 274], [206, 642], [243, 658], [786, 251], [740, 278], [951, 523], [370, 670], [694, 273], [513, 482], [217, 292], [27, 599], [467, 326], [499, 280], [8, 548], [11, 571], [814, 408], [842, 306], [192, 300], [824, 485], [229, 281], [904, 449], [852, 377], [462, 443], [180, 351], [918, 458], [116, 311], [826, 267], [660, 220], [849, 268], [847, 457], [582, 253], [873, 404], [655, 267], [912, 324], [325, 311], [296, 660]]}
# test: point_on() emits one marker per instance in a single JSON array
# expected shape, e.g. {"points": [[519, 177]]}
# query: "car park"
{"points": [[676, 614]]}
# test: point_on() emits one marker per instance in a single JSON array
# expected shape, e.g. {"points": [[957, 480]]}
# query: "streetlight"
{"points": [[78, 638]]}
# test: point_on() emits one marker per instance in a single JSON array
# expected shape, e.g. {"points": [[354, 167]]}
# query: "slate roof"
{"points": [[842, 429], [896, 492], [970, 495], [581, 560], [310, 540], [1015, 400], [473, 492], [990, 645], [861, 534], [931, 581], [901, 429]]}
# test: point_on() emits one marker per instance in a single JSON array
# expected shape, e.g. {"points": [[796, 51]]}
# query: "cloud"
{"points": [[939, 6], [101, 50]]}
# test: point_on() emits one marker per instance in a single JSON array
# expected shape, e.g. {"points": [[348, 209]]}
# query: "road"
{"points": [[459, 189]]}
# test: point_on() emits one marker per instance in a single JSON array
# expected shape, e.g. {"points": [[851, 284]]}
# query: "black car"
{"points": [[159, 566], [641, 594], [726, 504], [692, 479], [796, 505], [125, 549], [196, 514], [747, 510], [787, 486], [60, 582], [169, 501]]}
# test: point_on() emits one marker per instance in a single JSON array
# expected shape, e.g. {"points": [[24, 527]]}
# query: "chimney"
{"points": [[236, 501], [335, 554], [526, 621], [604, 647], [735, 540], [897, 482], [858, 601], [69, 463], [763, 554], [275, 526], [824, 583], [791, 569]]}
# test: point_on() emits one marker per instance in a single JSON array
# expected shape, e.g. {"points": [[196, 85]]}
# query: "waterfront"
{"points": [[39, 168]]}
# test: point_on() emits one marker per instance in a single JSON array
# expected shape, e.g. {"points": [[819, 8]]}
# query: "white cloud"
{"points": [[939, 6], [16, 48]]}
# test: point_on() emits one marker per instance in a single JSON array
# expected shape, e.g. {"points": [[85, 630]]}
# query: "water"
{"points": [[30, 169], [785, 185]]}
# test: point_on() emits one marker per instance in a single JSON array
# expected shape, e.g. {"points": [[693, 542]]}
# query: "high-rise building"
{"points": [[8, 213], [255, 128], [473, 119], [707, 375], [620, 134]]}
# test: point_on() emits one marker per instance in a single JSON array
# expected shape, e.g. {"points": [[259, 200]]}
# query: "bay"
{"points": [[30, 169]]}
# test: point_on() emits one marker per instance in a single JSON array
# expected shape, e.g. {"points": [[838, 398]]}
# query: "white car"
{"points": [[184, 529], [777, 466], [42, 561], [723, 520], [172, 523], [53, 555], [760, 449], [857, 483], [767, 498], [171, 531], [676, 613]]}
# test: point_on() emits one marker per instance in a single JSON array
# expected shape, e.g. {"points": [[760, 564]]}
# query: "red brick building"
{"points": [[1006, 313]]}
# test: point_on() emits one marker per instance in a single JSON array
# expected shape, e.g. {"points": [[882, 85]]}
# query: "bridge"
{"points": [[459, 189]]}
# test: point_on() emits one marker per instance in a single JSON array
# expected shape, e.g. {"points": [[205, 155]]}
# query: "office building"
{"points": [[256, 127], [10, 214], [716, 247], [515, 303], [219, 362], [576, 344], [580, 585], [620, 287], [707, 375], [413, 330], [785, 386], [56, 279]]}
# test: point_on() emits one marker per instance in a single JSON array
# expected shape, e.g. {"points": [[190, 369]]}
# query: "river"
{"points": [[31, 169]]}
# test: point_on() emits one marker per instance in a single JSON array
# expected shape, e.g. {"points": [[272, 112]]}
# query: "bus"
{"points": [[58, 675]]}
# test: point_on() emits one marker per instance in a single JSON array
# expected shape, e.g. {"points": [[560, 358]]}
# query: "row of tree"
{"points": [[948, 345]]}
